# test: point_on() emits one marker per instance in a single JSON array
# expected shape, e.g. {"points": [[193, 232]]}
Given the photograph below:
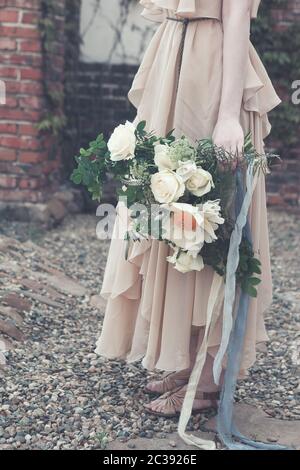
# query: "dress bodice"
{"points": [[157, 10]]}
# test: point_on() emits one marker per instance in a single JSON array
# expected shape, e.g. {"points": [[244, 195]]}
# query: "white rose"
{"points": [[183, 225], [211, 212], [167, 186], [162, 159], [185, 262], [122, 142], [186, 169], [200, 183]]}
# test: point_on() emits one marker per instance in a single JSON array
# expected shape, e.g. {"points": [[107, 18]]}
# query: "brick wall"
{"points": [[283, 184], [102, 98], [29, 159]]}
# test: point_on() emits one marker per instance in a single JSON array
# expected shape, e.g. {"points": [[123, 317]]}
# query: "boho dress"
{"points": [[151, 307]]}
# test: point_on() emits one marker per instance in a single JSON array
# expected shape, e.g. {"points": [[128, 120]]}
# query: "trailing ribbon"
{"points": [[232, 265], [213, 308], [232, 338], [226, 427]]}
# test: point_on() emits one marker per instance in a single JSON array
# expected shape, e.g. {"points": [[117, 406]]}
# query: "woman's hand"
{"points": [[229, 135]]}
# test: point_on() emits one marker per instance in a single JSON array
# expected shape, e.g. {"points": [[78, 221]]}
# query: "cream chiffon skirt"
{"points": [[152, 308]]}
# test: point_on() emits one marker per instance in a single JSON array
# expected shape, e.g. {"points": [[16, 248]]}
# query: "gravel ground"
{"points": [[56, 394]]}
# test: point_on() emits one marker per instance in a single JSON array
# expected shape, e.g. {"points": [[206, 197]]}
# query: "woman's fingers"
{"points": [[228, 135]]}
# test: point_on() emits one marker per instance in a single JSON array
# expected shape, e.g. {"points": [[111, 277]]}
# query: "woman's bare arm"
{"points": [[228, 132]]}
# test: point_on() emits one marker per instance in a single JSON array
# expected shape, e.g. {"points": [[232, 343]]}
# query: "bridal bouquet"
{"points": [[175, 192]]}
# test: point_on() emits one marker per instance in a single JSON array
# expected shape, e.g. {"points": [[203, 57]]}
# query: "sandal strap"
{"points": [[173, 399], [170, 383], [212, 396]]}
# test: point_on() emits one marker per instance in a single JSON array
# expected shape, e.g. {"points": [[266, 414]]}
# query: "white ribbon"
{"points": [[232, 265], [213, 308]]}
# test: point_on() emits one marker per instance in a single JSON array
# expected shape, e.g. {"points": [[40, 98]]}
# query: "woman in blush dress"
{"points": [[201, 76]]}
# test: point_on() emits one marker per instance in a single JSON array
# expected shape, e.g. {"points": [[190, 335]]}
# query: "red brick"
{"points": [[7, 182], [19, 115], [31, 157], [30, 46], [31, 74], [28, 4], [28, 129], [33, 88], [11, 102], [18, 32], [30, 17], [8, 72], [10, 142], [10, 167], [22, 59], [30, 183], [7, 155], [20, 143], [9, 16], [31, 143], [6, 128], [7, 44], [31, 102]]}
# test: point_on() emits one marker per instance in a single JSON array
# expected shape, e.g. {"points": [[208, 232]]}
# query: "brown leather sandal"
{"points": [[174, 400], [168, 384]]}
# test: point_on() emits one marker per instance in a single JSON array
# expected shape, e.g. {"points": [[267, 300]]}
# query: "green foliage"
{"points": [[279, 50], [91, 167], [215, 255], [249, 268], [53, 120], [52, 123]]}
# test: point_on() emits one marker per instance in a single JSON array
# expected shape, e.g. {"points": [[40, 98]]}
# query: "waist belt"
{"points": [[185, 22]]}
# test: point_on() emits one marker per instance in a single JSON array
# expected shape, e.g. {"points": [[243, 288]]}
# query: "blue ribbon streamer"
{"points": [[228, 432]]}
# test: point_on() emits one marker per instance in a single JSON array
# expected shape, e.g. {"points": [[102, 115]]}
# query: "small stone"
{"points": [[20, 437], [11, 431], [78, 410], [24, 421], [130, 445], [120, 410], [38, 412]]}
